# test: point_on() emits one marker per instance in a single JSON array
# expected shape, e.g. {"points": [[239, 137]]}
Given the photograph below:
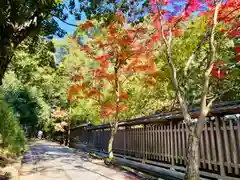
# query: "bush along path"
{"points": [[47, 160]]}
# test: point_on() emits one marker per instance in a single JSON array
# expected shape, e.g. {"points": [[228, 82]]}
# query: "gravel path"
{"points": [[50, 161]]}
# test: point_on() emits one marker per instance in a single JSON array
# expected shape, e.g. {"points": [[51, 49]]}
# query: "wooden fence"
{"points": [[165, 144]]}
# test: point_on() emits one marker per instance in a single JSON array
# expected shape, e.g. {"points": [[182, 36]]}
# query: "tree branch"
{"points": [[204, 109], [181, 99], [25, 32], [198, 48], [218, 96], [70, 24]]}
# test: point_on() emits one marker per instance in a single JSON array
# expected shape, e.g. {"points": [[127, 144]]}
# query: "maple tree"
{"points": [[120, 53], [219, 20]]}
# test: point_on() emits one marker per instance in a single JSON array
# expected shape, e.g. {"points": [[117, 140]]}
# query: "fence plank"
{"points": [[138, 143], [165, 143], [141, 142], [202, 150], [220, 147], [124, 141], [234, 147], [102, 139], [147, 142], [175, 142], [168, 142], [226, 140], [238, 136], [127, 140], [179, 144], [143, 137], [144, 143], [167, 135], [208, 150], [214, 155], [172, 148], [159, 142], [183, 144], [133, 141], [155, 142], [150, 142], [130, 140], [162, 153], [162, 143]]}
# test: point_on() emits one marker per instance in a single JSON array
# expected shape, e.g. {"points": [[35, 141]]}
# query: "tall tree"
{"points": [[201, 61], [20, 19], [119, 53]]}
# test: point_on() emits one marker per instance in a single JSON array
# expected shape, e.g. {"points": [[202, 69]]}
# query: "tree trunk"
{"points": [[110, 142], [68, 135], [63, 139], [6, 48], [5, 59], [192, 168], [114, 127]]}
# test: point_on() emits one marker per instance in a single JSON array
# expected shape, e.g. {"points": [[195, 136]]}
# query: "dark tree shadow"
{"points": [[5, 176]]}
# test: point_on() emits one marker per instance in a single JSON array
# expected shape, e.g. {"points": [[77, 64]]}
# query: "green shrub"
{"points": [[12, 135]]}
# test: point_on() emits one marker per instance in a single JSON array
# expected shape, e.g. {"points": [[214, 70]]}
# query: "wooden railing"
{"points": [[165, 144]]}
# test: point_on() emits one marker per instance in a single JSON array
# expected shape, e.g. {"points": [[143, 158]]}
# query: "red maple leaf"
{"points": [[216, 70], [237, 58], [156, 36], [237, 49]]}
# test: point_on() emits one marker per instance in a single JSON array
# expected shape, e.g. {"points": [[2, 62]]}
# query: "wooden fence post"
{"points": [[144, 144], [102, 140], [220, 147], [124, 141], [172, 149]]}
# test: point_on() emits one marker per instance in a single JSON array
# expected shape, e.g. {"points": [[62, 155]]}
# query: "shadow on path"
{"points": [[51, 161]]}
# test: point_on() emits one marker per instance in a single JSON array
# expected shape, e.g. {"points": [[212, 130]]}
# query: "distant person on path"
{"points": [[40, 134]]}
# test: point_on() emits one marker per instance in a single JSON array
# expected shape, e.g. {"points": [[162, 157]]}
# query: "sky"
{"points": [[66, 27], [71, 19]]}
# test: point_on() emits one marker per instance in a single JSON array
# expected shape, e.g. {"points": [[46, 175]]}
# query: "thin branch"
{"points": [[231, 30], [181, 99], [218, 96], [198, 48], [185, 9], [70, 24], [173, 104], [126, 78], [229, 13]]}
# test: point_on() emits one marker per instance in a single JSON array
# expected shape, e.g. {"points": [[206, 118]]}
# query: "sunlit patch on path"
{"points": [[50, 161]]}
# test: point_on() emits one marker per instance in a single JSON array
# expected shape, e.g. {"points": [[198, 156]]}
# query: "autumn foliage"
{"points": [[120, 52], [172, 13]]}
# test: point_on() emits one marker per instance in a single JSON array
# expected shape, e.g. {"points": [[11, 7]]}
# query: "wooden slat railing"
{"points": [[166, 143]]}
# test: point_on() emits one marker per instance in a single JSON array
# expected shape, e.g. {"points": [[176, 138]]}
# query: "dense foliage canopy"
{"points": [[127, 59]]}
